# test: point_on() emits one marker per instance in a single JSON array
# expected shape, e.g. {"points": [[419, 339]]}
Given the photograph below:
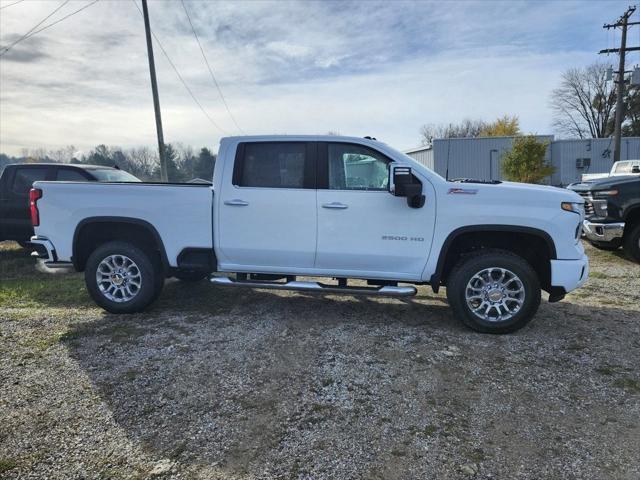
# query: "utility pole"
{"points": [[624, 23], [154, 89]]}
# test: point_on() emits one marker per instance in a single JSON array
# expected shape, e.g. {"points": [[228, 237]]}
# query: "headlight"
{"points": [[573, 207], [605, 193]]}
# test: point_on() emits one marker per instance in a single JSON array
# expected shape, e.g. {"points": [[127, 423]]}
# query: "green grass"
{"points": [[7, 464], [598, 275], [629, 384]]}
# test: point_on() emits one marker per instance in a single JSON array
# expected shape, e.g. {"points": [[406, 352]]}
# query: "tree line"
{"points": [[183, 164]]}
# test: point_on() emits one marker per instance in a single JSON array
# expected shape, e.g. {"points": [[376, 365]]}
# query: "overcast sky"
{"points": [[358, 68]]}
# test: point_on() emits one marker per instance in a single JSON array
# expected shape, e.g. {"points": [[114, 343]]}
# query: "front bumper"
{"points": [[602, 232], [569, 274]]}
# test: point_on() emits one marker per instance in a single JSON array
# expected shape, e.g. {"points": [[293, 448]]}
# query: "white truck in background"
{"points": [[343, 208], [620, 168]]}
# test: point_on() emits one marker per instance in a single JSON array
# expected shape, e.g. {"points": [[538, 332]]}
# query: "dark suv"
{"points": [[16, 181]]}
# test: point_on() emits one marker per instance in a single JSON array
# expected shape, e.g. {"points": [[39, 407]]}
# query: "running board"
{"points": [[317, 287]]}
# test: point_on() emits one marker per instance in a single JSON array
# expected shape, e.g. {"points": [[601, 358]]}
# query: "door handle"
{"points": [[236, 202], [336, 205]]}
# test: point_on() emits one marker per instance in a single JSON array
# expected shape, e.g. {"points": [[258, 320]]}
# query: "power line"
{"points": [[63, 18], [213, 77], [11, 4], [26, 35], [54, 23], [180, 76]]}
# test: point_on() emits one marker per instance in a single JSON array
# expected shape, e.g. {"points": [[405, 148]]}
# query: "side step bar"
{"points": [[317, 287]]}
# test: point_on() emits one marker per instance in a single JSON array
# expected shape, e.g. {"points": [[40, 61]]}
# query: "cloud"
{"points": [[378, 68]]}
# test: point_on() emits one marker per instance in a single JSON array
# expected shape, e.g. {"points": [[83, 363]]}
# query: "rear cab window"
{"points": [[275, 165], [69, 175], [25, 176]]}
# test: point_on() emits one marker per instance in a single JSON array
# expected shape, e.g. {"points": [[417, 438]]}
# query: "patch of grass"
{"points": [[629, 384], [599, 275], [66, 291], [429, 430], [607, 369], [477, 455], [7, 464], [398, 453]]}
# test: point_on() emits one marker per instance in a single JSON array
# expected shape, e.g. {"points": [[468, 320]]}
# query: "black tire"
{"points": [[470, 265], [190, 275], [150, 276], [24, 243], [606, 246], [632, 243]]}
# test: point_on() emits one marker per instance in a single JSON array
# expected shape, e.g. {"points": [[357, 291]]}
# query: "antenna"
{"points": [[446, 175]]}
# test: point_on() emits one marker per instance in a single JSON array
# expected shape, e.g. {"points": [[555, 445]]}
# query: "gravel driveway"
{"points": [[237, 384]]}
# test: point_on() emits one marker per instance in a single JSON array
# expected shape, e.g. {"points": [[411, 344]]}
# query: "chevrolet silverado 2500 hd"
{"points": [[345, 208]]}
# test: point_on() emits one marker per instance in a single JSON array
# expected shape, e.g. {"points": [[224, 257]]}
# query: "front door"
{"points": [[363, 230], [267, 208]]}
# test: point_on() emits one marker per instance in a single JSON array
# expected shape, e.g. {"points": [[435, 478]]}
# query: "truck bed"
{"points": [[180, 213]]}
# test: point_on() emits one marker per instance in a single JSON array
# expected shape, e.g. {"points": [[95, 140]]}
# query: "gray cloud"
{"points": [[380, 68]]}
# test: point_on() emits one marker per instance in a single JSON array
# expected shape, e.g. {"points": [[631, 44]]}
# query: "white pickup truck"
{"points": [[283, 207], [619, 168]]}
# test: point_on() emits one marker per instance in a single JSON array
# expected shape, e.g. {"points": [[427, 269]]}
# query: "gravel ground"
{"points": [[237, 384]]}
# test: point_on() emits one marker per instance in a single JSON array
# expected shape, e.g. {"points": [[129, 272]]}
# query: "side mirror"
{"points": [[406, 185], [635, 169]]}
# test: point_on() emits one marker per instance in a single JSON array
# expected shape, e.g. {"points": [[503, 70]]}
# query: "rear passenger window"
{"points": [[25, 177], [66, 175], [271, 165]]}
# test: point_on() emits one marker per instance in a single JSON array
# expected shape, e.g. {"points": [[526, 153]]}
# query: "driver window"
{"points": [[354, 167]]}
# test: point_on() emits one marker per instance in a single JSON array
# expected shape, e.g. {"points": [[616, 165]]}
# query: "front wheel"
{"points": [[632, 243], [493, 291], [121, 278]]}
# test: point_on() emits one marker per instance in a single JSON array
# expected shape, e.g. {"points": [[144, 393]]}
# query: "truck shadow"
{"points": [[245, 382]]}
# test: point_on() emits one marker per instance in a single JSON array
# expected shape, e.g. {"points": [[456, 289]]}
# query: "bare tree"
{"points": [[584, 104], [144, 162], [466, 128]]}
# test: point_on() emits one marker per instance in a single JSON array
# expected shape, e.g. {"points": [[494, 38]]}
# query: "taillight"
{"points": [[34, 195]]}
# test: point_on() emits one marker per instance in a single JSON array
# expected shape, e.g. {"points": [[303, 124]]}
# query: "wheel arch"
{"points": [[92, 232], [632, 217], [471, 238]]}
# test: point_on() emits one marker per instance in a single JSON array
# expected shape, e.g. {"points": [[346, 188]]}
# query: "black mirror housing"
{"points": [[406, 185]]}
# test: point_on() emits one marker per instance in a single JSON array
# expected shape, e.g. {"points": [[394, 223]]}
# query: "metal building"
{"points": [[481, 158]]}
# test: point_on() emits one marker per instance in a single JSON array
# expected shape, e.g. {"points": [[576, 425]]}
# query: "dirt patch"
{"points": [[214, 383]]}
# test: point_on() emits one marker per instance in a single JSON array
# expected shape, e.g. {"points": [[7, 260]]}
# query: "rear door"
{"points": [[267, 208], [17, 218], [364, 230]]}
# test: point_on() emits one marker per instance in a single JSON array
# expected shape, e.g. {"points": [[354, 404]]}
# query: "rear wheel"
{"points": [[493, 291], [632, 243], [121, 278]]}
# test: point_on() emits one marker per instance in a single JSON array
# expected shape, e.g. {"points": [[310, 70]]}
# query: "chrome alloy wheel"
{"points": [[118, 278], [495, 294]]}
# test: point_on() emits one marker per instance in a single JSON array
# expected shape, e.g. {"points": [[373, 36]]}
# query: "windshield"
{"points": [[112, 175]]}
